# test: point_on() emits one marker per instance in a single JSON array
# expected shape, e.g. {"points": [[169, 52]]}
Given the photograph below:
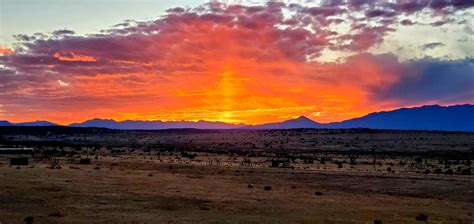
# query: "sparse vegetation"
{"points": [[422, 217], [202, 171], [29, 220], [55, 214]]}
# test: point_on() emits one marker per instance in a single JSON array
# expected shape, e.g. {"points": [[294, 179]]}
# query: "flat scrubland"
{"points": [[237, 176]]}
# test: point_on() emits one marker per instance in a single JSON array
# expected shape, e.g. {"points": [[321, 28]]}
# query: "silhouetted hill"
{"points": [[36, 123], [29, 124], [153, 125], [300, 122], [5, 123], [434, 117]]}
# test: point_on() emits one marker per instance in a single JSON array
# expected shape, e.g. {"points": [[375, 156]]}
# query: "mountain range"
{"points": [[154, 125], [432, 117], [30, 124]]}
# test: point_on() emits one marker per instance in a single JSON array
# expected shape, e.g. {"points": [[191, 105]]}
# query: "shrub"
{"points": [[317, 193], [418, 160], [267, 188], [204, 208], [422, 217], [378, 221], [466, 171], [55, 214], [250, 186], [29, 220]]}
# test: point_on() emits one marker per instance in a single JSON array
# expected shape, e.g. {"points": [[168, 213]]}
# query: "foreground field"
{"points": [[237, 176], [135, 190]]}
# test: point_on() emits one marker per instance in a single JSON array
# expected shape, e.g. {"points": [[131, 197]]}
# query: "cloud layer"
{"points": [[235, 63]]}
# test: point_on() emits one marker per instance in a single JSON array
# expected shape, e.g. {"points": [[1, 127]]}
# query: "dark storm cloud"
{"points": [[432, 80]]}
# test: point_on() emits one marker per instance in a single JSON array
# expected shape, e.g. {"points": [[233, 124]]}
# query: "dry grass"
{"points": [[125, 192]]}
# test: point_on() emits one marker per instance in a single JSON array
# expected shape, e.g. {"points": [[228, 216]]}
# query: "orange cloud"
{"points": [[221, 63], [5, 51], [75, 57]]}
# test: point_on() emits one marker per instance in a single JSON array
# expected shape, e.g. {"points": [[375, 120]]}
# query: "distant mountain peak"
{"points": [[299, 122], [302, 118]]}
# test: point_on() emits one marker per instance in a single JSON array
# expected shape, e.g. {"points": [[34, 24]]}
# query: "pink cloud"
{"points": [[174, 61]]}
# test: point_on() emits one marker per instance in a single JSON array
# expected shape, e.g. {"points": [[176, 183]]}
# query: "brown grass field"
{"points": [[356, 176]]}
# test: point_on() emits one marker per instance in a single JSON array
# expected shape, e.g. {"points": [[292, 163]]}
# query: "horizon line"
{"points": [[242, 123]]}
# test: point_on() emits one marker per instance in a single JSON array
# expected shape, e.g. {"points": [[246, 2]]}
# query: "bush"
{"points": [[378, 221], [317, 193], [466, 171], [267, 188], [204, 208], [250, 186], [55, 214], [29, 220], [422, 217]]}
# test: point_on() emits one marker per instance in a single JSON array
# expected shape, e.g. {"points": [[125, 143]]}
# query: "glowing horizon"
{"points": [[250, 64]]}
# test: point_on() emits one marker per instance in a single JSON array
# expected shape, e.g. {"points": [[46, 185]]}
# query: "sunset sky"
{"points": [[241, 61]]}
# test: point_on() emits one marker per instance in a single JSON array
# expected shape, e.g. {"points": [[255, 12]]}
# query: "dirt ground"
{"points": [[137, 190]]}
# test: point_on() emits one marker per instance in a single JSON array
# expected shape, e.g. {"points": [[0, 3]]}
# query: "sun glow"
{"points": [[240, 64]]}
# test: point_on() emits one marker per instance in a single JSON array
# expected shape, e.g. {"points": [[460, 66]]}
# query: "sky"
{"points": [[242, 61]]}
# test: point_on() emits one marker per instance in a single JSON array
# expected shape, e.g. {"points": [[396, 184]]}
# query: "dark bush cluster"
{"points": [[422, 217]]}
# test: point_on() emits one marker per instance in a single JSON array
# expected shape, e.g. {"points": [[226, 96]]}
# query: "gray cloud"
{"points": [[432, 80], [433, 45]]}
